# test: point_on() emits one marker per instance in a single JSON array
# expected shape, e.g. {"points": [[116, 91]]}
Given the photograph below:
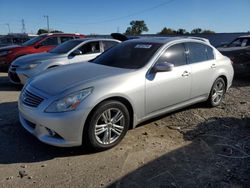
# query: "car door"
{"points": [[89, 51], [165, 89], [203, 65]]}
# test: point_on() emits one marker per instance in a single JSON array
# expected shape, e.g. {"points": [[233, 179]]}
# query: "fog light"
{"points": [[51, 133]]}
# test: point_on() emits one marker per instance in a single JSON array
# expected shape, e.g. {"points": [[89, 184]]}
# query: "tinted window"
{"points": [[210, 53], [128, 55], [66, 38], [240, 42], [90, 48], [175, 55], [197, 52], [50, 41], [65, 47], [108, 44]]}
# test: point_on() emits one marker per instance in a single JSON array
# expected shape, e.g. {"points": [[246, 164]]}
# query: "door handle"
{"points": [[185, 73], [213, 66]]}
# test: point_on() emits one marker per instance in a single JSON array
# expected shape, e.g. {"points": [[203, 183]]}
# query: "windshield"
{"points": [[240, 42], [128, 55], [33, 41], [65, 47]]}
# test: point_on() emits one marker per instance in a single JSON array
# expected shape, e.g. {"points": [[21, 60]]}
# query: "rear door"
{"points": [[89, 51], [203, 65], [165, 89]]}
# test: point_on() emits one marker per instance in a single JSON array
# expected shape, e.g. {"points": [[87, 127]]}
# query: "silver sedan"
{"points": [[96, 103], [73, 51]]}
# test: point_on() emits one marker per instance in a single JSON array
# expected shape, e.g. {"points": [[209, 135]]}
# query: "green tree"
{"points": [[207, 31], [41, 31], [136, 27], [196, 31], [167, 31], [181, 31]]}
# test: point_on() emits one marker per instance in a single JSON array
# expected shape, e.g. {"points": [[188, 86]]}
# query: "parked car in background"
{"points": [[73, 51], [96, 103], [239, 52], [42, 43], [15, 39]]}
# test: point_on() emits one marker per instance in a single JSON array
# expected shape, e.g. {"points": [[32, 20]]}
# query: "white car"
{"points": [[73, 51]]}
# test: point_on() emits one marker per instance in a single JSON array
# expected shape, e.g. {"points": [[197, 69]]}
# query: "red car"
{"points": [[42, 43]]}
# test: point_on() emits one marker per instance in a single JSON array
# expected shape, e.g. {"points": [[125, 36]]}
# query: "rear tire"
{"points": [[107, 125], [217, 92]]}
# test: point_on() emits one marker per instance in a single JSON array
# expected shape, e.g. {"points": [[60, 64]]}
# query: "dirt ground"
{"points": [[194, 147]]}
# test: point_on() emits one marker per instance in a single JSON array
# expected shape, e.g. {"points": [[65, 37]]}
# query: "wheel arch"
{"points": [[124, 101]]}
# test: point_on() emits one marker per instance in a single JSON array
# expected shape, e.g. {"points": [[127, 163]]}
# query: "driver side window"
{"points": [[51, 41], [90, 48], [175, 55]]}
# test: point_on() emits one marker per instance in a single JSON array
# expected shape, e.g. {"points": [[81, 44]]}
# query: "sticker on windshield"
{"points": [[145, 46]]}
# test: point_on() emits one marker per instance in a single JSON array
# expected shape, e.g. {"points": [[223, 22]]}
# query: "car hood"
{"points": [[5, 48], [27, 59], [58, 80]]}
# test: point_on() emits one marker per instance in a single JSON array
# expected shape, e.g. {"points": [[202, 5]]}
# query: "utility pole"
{"points": [[23, 27], [47, 17], [8, 26]]}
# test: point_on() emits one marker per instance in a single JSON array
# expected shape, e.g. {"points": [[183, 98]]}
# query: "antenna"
{"points": [[23, 27]]}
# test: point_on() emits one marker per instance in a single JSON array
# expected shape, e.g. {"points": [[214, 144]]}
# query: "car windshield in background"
{"points": [[128, 55], [240, 42], [65, 47], [33, 41]]}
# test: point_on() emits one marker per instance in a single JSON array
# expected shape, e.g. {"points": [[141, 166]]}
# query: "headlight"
{"points": [[69, 102], [29, 66], [3, 53]]}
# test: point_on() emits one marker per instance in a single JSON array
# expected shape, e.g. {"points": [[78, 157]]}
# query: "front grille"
{"points": [[30, 124], [14, 77], [31, 99]]}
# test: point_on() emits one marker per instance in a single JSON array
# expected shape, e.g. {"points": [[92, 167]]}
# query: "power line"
{"points": [[126, 16]]}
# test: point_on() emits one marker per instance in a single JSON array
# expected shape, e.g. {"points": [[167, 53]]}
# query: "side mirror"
{"points": [[76, 52], [38, 46], [163, 67]]}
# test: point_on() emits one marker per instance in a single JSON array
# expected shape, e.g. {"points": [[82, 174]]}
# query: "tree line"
{"points": [[137, 27]]}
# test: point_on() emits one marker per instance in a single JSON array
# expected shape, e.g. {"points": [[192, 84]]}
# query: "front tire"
{"points": [[107, 126], [217, 92]]}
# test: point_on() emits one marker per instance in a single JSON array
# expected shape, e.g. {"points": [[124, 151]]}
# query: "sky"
{"points": [[107, 16]]}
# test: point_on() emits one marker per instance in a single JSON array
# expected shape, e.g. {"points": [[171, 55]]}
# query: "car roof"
{"points": [[62, 34], [97, 39], [244, 36], [165, 40]]}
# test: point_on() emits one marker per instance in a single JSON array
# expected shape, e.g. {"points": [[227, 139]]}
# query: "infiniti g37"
{"points": [[96, 103]]}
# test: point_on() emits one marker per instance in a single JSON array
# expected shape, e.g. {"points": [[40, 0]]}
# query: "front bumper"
{"points": [[58, 129], [17, 77]]}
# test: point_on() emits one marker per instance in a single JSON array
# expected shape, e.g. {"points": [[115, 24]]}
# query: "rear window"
{"points": [[128, 55], [108, 44]]}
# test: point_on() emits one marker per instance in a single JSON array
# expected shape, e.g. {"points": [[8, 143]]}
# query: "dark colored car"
{"points": [[15, 39], [239, 52], [42, 43]]}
